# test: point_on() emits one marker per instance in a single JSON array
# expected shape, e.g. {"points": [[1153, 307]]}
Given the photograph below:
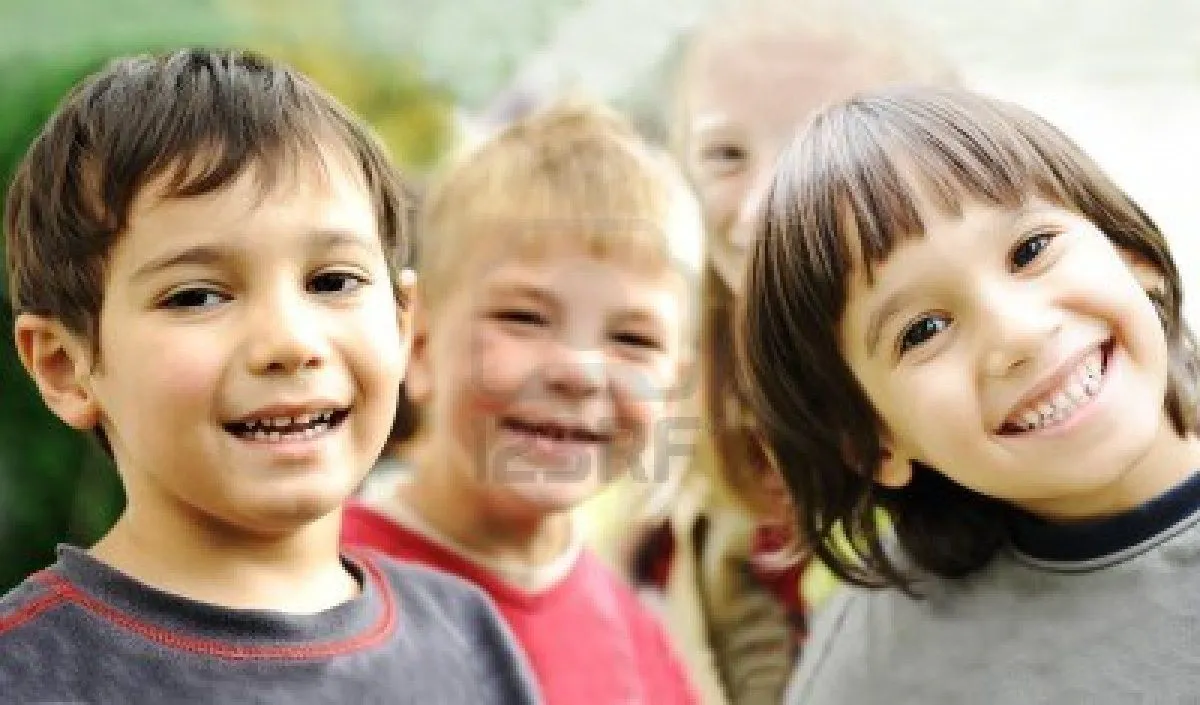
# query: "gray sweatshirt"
{"points": [[81, 631], [1104, 613]]}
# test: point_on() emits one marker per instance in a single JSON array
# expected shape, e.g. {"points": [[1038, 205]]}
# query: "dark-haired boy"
{"points": [[204, 252]]}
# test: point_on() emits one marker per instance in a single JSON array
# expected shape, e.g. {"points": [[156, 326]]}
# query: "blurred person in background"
{"points": [[559, 278], [716, 549]]}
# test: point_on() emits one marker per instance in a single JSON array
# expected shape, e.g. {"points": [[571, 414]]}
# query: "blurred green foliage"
{"points": [[55, 484]]}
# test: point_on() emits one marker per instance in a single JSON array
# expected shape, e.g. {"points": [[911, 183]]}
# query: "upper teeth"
{"points": [[283, 422], [1056, 407]]}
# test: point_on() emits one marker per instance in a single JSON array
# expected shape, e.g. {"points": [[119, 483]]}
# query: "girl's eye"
{"points": [[194, 298], [723, 158], [1029, 249], [922, 330], [337, 282]]}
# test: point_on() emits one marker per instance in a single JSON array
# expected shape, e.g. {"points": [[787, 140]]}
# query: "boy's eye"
{"points": [[520, 316], [337, 282], [638, 340], [195, 297], [922, 330], [1029, 249]]}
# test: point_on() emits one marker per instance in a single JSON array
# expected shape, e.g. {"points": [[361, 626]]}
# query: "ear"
{"points": [[406, 291], [895, 469], [418, 382], [60, 365]]}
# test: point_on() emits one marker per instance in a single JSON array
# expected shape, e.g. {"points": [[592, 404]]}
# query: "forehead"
{"points": [[572, 269], [775, 79], [263, 202]]}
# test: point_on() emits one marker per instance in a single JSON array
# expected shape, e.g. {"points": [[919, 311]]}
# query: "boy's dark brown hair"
{"points": [[198, 118], [195, 118], [841, 200]]}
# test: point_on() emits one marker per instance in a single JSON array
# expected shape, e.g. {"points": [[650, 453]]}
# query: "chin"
{"points": [[294, 513], [548, 498]]}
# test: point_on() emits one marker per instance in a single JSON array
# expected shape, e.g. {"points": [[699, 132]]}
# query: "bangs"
{"points": [[865, 166]]}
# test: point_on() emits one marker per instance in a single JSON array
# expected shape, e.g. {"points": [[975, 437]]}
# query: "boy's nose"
{"points": [[285, 339], [576, 373]]}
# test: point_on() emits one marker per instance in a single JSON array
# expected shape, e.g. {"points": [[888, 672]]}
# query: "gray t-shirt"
{"points": [[81, 631], [1102, 613]]}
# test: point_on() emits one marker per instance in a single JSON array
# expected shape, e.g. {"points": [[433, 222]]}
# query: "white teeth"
{"points": [[1081, 386], [281, 427]]}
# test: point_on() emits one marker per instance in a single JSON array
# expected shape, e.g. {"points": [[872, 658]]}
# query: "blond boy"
{"points": [[559, 269]]}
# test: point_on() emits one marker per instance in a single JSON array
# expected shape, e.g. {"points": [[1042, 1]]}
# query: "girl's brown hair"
{"points": [[840, 201]]}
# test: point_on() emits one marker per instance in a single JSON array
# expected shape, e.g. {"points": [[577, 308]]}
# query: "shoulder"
{"points": [[430, 599], [441, 611], [24, 610], [38, 629], [868, 646], [24, 603]]}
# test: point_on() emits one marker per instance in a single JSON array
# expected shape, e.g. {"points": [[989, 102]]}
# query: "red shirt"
{"points": [[588, 637]]}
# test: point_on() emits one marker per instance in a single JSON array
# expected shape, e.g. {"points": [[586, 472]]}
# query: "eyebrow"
{"points": [[890, 307], [543, 296], [899, 298], [711, 122], [213, 254]]}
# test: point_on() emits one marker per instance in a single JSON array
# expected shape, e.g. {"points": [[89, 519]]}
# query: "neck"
{"points": [[482, 517], [1169, 461], [202, 559]]}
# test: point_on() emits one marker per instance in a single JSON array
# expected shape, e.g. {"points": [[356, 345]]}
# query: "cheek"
{"points": [[932, 412], [182, 368], [497, 366], [721, 199], [641, 395]]}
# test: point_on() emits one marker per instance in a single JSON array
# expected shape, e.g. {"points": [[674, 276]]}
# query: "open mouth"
{"points": [[1057, 407], [288, 428], [555, 432]]}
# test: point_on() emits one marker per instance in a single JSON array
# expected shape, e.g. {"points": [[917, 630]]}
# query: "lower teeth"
{"points": [[308, 432]]}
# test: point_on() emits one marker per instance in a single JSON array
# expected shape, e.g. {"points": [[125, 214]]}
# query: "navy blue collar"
{"points": [[1094, 544]]}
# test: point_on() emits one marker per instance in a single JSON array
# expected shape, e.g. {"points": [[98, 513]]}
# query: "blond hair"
{"points": [[574, 173]]}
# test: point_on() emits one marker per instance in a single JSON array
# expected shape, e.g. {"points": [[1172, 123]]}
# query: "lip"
{"points": [[1110, 353], [1054, 380], [579, 442], [301, 446], [571, 430], [289, 410]]}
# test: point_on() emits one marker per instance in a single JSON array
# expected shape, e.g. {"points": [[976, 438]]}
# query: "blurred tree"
{"points": [[55, 484]]}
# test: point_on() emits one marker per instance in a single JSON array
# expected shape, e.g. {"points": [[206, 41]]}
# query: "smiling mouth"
{"points": [[288, 428], [555, 432], [1060, 405]]}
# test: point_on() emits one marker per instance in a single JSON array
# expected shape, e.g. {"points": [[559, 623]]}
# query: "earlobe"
{"points": [[895, 470], [418, 382], [60, 365], [405, 313]]}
